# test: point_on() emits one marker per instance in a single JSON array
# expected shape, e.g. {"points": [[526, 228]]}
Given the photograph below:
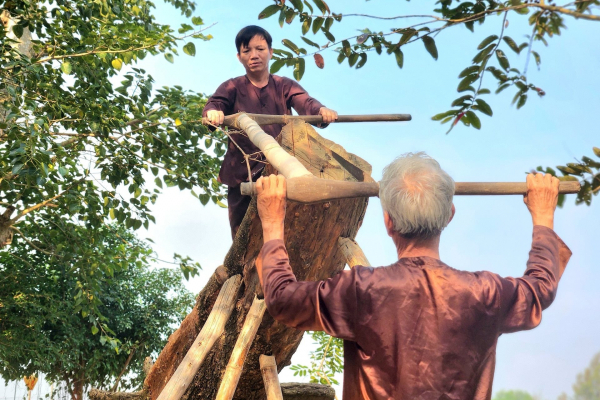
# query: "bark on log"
{"points": [[312, 232], [268, 369], [307, 391]]}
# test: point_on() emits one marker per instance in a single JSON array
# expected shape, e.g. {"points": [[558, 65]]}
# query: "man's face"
{"points": [[255, 58]]}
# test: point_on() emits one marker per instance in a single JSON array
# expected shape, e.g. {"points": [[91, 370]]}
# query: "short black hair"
{"points": [[244, 36]]}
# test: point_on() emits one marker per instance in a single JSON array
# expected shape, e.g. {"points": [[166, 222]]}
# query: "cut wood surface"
{"points": [[312, 232], [211, 331], [240, 350], [268, 369], [307, 391], [353, 253]]}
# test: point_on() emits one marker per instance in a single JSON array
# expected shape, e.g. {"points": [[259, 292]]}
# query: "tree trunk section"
{"points": [[311, 232]]}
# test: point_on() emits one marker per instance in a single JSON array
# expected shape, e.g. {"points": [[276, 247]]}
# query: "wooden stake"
{"points": [[211, 331], [268, 368], [240, 350], [353, 253]]}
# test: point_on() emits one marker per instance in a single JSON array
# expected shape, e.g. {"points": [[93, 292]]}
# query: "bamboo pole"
{"points": [[211, 331], [312, 189], [240, 350], [352, 253], [265, 119], [268, 369]]}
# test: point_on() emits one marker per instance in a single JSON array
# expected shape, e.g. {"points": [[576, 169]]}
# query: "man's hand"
{"points": [[328, 115], [541, 198], [215, 117], [271, 203]]}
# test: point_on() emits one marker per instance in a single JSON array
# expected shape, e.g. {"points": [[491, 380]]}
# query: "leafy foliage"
{"points": [[491, 56], [586, 171], [84, 135], [43, 321], [587, 386], [513, 395], [325, 361]]}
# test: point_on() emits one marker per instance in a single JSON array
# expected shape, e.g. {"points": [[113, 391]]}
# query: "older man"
{"points": [[416, 329]]}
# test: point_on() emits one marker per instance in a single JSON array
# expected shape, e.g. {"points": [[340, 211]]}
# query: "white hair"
{"points": [[417, 194]]}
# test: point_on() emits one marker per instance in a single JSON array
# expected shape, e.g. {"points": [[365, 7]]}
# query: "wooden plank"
{"points": [[268, 369], [212, 329], [240, 350]]}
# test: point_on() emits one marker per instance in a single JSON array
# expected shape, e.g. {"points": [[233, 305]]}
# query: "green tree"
{"points": [[494, 57], [84, 135], [513, 395], [587, 386], [42, 295]]}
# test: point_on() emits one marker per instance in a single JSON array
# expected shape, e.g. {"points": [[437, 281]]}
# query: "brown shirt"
{"points": [[417, 329], [276, 98]]}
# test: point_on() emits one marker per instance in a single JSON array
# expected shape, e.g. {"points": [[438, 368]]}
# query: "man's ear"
{"points": [[238, 56], [453, 212], [271, 51], [389, 224]]}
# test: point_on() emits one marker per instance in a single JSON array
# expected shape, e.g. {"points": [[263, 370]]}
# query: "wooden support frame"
{"points": [[268, 369], [211, 331], [238, 355], [353, 253]]}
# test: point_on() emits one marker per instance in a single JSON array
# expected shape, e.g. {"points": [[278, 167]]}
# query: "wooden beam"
{"points": [[240, 350], [268, 368], [353, 253], [310, 189], [211, 331]]}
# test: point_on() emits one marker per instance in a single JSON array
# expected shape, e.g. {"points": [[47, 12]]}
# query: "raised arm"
{"points": [[220, 103], [330, 305], [304, 104], [519, 301]]}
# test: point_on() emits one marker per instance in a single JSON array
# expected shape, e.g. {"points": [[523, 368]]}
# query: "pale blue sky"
{"points": [[487, 233]]}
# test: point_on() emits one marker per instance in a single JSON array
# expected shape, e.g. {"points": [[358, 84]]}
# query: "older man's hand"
{"points": [[328, 114], [541, 198], [271, 202]]}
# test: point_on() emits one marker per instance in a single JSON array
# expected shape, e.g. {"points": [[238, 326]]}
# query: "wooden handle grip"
{"points": [[265, 119], [313, 190]]}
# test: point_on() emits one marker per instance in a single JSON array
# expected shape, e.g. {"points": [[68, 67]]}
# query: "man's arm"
{"points": [[519, 301], [299, 99], [330, 305], [220, 103]]}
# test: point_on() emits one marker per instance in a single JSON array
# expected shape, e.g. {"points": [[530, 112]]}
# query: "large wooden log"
{"points": [[312, 232]]}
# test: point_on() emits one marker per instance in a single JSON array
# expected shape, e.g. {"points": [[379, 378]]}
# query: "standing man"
{"points": [[257, 92], [416, 329]]}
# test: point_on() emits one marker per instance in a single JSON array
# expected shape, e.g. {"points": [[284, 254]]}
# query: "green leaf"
{"points": [[117, 64], [297, 5], [522, 100], [282, 17], [94, 329], [269, 11], [276, 66], [299, 69], [306, 25], [204, 198], [290, 45], [596, 151], [321, 5], [484, 107], [111, 213], [16, 168], [329, 36], [483, 54], [169, 58], [352, 59], [511, 43], [502, 59], [469, 70], [399, 57], [522, 11], [466, 82], [197, 21], [487, 41], [310, 42], [430, 46], [66, 67], [363, 60], [474, 119], [502, 87], [537, 58], [461, 100], [443, 115], [484, 91], [18, 30], [190, 49], [317, 24]]}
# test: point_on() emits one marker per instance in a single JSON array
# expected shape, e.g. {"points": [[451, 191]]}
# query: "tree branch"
{"points": [[40, 205]]}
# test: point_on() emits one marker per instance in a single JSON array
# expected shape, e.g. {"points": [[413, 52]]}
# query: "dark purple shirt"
{"points": [[276, 98], [417, 329]]}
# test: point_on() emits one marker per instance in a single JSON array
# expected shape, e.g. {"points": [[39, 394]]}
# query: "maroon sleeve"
{"points": [[330, 305], [223, 99], [299, 99], [518, 302]]}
